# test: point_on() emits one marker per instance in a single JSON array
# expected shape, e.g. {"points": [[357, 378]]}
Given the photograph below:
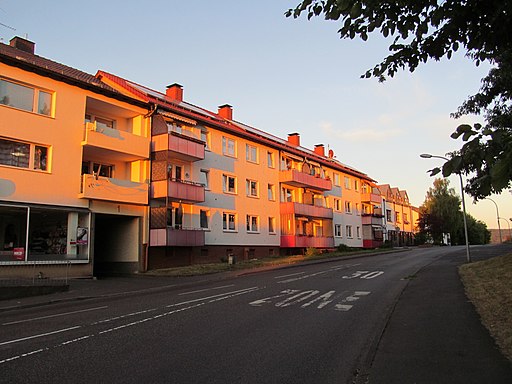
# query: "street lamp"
{"points": [[509, 231], [468, 255], [497, 216]]}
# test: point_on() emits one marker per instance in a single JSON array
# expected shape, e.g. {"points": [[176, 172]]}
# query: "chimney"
{"points": [[175, 92], [320, 150], [22, 44], [294, 139], [226, 111]]}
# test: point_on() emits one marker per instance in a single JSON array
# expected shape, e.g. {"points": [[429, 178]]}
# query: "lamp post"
{"points": [[468, 255], [509, 231], [497, 216]]}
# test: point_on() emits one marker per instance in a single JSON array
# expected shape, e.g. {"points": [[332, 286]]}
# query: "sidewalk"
{"points": [[434, 335]]}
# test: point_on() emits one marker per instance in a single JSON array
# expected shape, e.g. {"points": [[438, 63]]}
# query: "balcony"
{"points": [[304, 180], [299, 209], [129, 147], [371, 198], [371, 219], [180, 146], [172, 237], [293, 241], [116, 190], [186, 191]]}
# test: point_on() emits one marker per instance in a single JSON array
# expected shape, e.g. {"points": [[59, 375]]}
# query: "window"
{"points": [[251, 153], [337, 205], [348, 231], [252, 223], [23, 155], [287, 195], [25, 97], [347, 183], [270, 159], [228, 222], [228, 147], [286, 163], [204, 219], [358, 212], [271, 225], [358, 232], [205, 178], [397, 217], [406, 221], [228, 184], [356, 185], [336, 179], [348, 207], [337, 230], [101, 122], [251, 188], [205, 136], [388, 215], [271, 192]]}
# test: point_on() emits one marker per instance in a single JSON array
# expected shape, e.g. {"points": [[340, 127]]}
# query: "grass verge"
{"points": [[204, 269], [488, 285]]}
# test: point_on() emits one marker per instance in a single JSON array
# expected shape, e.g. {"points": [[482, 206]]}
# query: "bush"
{"points": [[312, 251]]}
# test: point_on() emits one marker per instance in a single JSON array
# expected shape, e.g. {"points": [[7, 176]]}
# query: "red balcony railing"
{"points": [[297, 178], [306, 210], [172, 237], [180, 146], [188, 192]]}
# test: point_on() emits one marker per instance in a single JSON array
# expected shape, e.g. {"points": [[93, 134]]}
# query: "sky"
{"points": [[281, 75]]}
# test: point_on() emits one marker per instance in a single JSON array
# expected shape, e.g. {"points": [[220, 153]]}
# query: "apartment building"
{"points": [[104, 174], [400, 216], [74, 168]]}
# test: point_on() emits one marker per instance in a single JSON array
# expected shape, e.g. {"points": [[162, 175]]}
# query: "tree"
{"points": [[423, 30], [439, 213]]}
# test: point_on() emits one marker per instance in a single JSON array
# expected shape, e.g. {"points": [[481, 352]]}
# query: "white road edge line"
{"points": [[56, 315], [205, 290], [40, 335]]}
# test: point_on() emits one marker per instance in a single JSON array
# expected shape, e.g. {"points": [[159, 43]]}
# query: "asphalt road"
{"points": [[311, 324]]}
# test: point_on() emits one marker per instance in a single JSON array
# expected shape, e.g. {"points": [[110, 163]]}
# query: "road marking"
{"points": [[334, 268], [291, 274], [40, 335], [364, 275], [124, 316], [56, 315], [23, 355], [227, 294], [206, 290], [310, 298]]}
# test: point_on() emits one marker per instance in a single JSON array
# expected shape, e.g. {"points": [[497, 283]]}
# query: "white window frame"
{"points": [[272, 225], [38, 156], [338, 230], [228, 146], [252, 224], [36, 100], [207, 216], [225, 184], [205, 178], [337, 205], [348, 207], [271, 192], [251, 153], [336, 177], [346, 182], [271, 162], [348, 231], [226, 220], [250, 191]]}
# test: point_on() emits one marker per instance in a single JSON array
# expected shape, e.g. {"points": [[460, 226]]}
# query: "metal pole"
{"points": [[497, 217], [468, 256], [509, 231]]}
